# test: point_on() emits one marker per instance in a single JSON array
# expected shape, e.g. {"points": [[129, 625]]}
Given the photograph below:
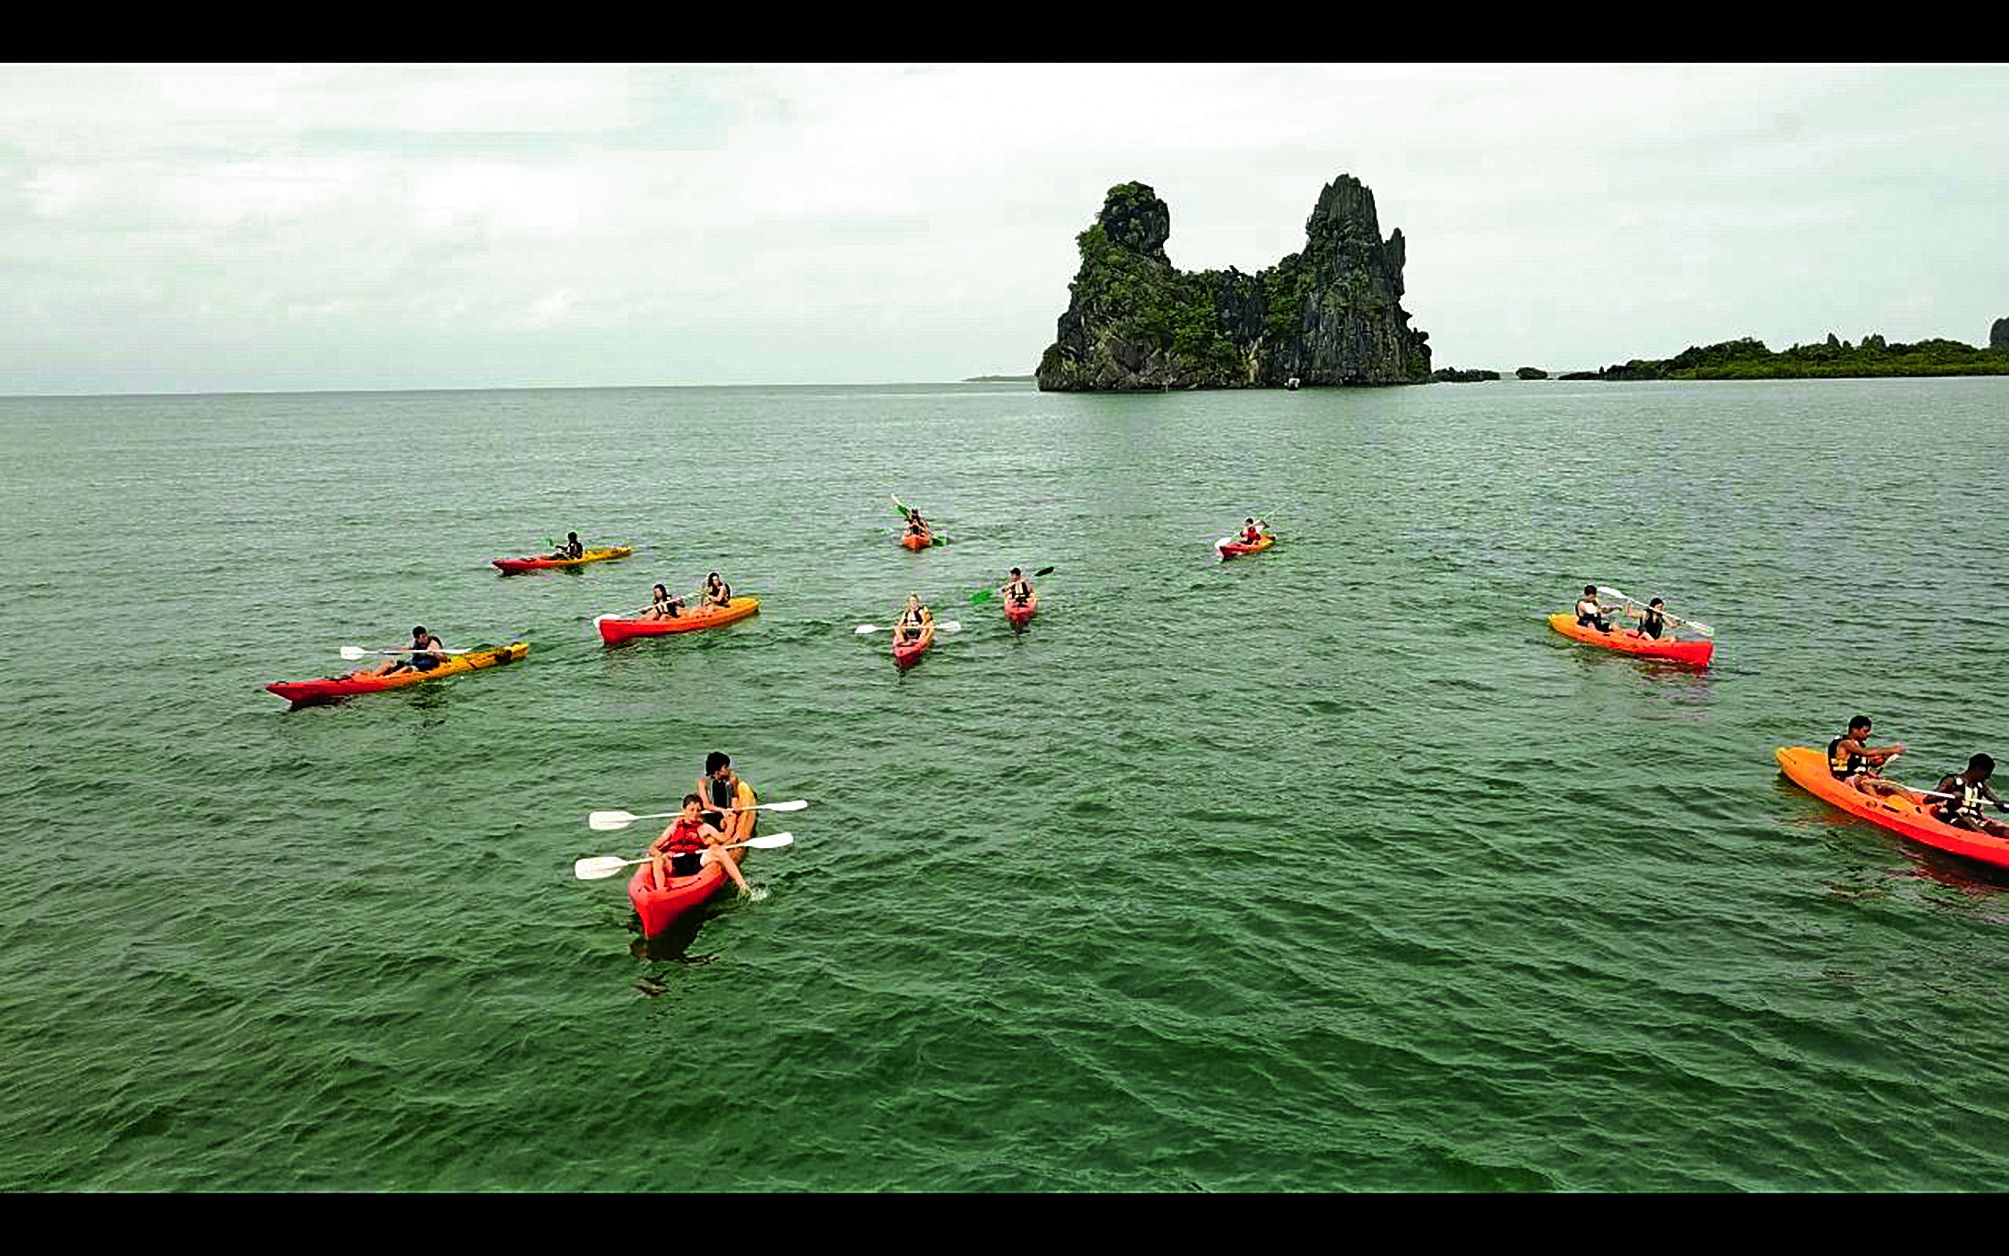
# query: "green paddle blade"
{"points": [[982, 595]]}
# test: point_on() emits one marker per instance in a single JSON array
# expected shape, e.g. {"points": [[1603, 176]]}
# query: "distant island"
{"points": [[999, 379], [1330, 314], [1833, 358]]}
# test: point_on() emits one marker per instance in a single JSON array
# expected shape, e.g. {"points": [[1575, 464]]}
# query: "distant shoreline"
{"points": [[1000, 379]]}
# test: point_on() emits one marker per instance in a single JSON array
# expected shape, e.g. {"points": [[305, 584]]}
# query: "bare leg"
{"points": [[731, 869]]}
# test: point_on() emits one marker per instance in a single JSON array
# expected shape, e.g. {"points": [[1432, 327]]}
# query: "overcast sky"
{"points": [[190, 228]]}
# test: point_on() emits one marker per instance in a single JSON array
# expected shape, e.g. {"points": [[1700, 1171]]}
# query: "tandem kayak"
{"points": [[659, 909], [1228, 547], [1903, 815], [510, 566], [1019, 616], [342, 686], [906, 654], [613, 628], [1626, 641], [917, 541]]}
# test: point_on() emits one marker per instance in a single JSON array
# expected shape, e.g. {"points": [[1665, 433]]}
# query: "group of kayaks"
{"points": [[1908, 813]]}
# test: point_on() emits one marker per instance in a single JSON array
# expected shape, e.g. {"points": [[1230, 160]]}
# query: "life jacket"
{"points": [[720, 591], [1843, 766], [575, 549], [721, 793], [1965, 803], [1588, 617], [685, 837], [425, 660], [1652, 623], [913, 618], [1019, 591], [1251, 535]]}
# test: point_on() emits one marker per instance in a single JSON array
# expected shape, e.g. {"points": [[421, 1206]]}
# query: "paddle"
{"points": [[1702, 628], [354, 652], [674, 599], [985, 595], [600, 867], [607, 821], [950, 626]]}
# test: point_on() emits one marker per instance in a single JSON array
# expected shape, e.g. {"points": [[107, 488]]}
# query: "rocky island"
{"points": [[1833, 358], [1330, 314]]}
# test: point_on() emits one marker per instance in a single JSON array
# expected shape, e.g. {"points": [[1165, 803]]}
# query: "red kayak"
{"points": [[1626, 641], [917, 541], [659, 909], [906, 654], [1019, 615], [613, 628], [343, 686], [1231, 547]]}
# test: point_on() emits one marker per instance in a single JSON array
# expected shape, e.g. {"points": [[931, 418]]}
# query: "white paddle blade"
{"points": [[862, 629], [606, 821], [772, 842], [598, 867], [1611, 592], [353, 652], [951, 626], [796, 805]]}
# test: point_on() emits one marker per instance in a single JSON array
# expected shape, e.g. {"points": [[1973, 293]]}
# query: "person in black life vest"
{"points": [[716, 591], [1652, 620], [1855, 763], [913, 621], [718, 789], [1970, 793], [421, 658], [916, 526], [1018, 589], [1589, 613], [688, 844], [663, 605], [572, 548]]}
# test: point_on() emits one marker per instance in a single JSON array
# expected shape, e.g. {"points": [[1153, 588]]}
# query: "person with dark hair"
{"points": [[1017, 590], [421, 656], [1855, 763], [572, 547], [689, 843], [914, 621], [719, 789], [716, 592], [664, 605], [1652, 620], [1965, 794], [1589, 613]]}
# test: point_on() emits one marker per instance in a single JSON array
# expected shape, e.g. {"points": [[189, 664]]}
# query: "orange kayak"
{"points": [[1020, 614], [1902, 814], [917, 541], [613, 628], [1626, 641]]}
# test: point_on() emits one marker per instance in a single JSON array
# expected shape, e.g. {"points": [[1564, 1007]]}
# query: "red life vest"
{"points": [[684, 837]]}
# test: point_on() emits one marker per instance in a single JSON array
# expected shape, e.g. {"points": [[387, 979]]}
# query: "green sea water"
{"points": [[1327, 869]]}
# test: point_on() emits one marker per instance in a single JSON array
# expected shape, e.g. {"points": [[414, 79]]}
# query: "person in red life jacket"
{"points": [[1853, 762], [1252, 530], [688, 844], [1969, 792]]}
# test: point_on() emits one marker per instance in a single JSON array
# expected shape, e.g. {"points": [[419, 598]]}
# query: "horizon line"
{"points": [[310, 392]]}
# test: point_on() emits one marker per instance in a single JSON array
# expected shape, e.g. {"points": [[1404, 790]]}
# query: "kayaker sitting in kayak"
{"points": [[1969, 793], [1652, 620], [914, 620], [1017, 590], [420, 658], [719, 788], [1589, 613], [716, 591], [687, 845], [663, 605], [572, 548], [1854, 763], [916, 526], [1252, 530]]}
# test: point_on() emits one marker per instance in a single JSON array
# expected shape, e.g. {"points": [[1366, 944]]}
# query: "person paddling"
{"points": [[1855, 763], [1970, 793], [1589, 613], [425, 653], [1017, 590], [916, 526], [716, 592], [1652, 620], [572, 547], [1252, 530], [688, 844], [664, 605], [914, 620]]}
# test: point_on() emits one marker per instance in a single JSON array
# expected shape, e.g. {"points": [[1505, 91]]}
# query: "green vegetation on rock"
{"points": [[1748, 358]]}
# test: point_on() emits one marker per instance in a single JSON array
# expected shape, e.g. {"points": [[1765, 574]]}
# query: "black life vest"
{"points": [[1843, 766]]}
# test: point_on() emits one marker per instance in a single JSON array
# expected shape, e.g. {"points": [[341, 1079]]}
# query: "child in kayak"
{"points": [[1017, 590], [687, 845], [1854, 763], [716, 591], [422, 656], [1969, 792], [914, 620], [1589, 613], [663, 606], [572, 548]]}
